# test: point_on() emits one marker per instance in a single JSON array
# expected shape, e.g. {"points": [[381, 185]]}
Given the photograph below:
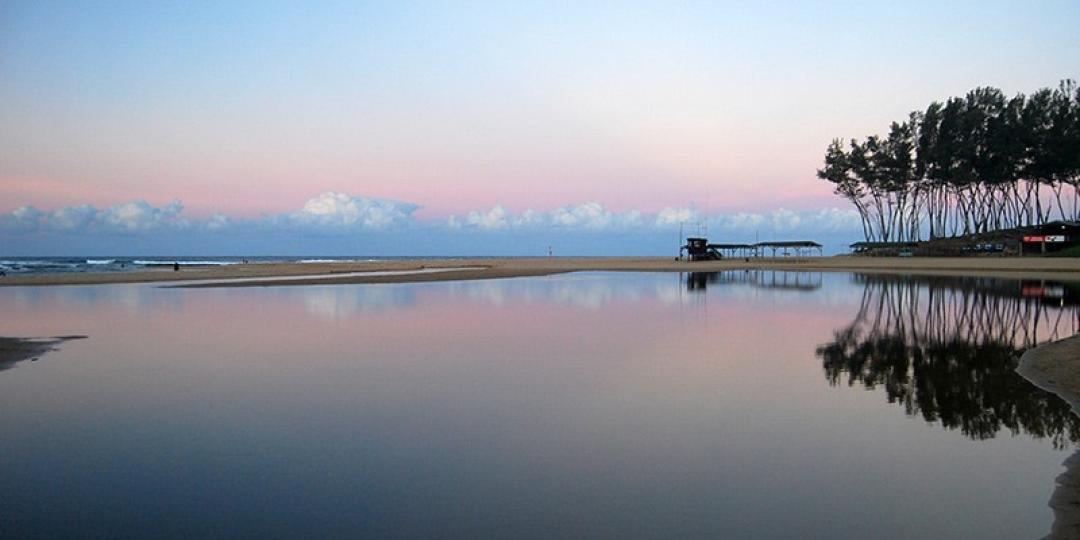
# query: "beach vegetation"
{"points": [[973, 164]]}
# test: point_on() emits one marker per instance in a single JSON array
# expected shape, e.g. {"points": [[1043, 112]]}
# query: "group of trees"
{"points": [[974, 164]]}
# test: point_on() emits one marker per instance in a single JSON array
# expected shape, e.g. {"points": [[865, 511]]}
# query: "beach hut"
{"points": [[698, 249]]}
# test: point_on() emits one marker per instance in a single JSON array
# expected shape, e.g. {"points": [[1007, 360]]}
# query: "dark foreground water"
{"points": [[745, 404]]}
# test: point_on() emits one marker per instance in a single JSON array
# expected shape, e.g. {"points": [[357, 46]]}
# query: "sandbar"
{"points": [[324, 273], [14, 350], [1055, 367]]}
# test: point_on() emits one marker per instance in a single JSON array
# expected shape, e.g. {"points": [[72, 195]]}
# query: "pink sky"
{"points": [[246, 111]]}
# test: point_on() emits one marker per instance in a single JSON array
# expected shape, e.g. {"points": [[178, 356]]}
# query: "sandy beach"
{"points": [[484, 268], [1055, 367]]}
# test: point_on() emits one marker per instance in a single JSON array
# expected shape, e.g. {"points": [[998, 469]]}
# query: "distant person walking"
{"points": [[175, 267]]}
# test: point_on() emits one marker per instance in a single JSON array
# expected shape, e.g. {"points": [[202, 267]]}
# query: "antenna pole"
{"points": [[679, 240]]}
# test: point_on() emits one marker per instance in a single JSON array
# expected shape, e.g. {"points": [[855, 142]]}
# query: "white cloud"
{"points": [[218, 222], [529, 218], [26, 213], [825, 220], [674, 216], [837, 219], [339, 211], [492, 219], [137, 216], [22, 219], [740, 221], [72, 218], [593, 216], [590, 216], [785, 220]]}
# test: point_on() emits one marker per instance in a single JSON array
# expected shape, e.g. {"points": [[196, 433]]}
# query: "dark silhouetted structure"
{"points": [[699, 249]]}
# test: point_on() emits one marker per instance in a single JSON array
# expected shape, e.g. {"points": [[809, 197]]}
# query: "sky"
{"points": [[470, 128]]}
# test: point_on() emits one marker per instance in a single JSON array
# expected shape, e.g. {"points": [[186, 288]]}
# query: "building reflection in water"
{"points": [[946, 349], [769, 279]]}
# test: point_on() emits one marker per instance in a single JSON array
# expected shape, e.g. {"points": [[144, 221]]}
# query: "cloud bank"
{"points": [[328, 212], [131, 217], [385, 224], [594, 217], [338, 212]]}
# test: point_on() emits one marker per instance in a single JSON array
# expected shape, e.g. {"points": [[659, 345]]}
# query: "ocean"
{"points": [[61, 265]]}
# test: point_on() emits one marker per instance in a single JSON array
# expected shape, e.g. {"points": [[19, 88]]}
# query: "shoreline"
{"points": [[1067, 269], [14, 350], [1055, 367]]}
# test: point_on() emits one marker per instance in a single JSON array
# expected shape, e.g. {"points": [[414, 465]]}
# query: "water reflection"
{"points": [[947, 349], [765, 279], [584, 291], [572, 405], [334, 301], [588, 291], [133, 298], [16, 350]]}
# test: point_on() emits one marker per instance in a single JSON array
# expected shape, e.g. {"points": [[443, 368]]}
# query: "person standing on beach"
{"points": [[175, 267]]}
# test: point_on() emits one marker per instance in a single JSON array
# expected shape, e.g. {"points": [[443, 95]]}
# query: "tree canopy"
{"points": [[972, 164]]}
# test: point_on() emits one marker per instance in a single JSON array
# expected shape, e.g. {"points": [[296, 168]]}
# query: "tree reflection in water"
{"points": [[947, 349]]}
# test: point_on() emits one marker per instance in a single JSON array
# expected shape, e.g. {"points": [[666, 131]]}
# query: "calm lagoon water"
{"points": [[743, 404]]}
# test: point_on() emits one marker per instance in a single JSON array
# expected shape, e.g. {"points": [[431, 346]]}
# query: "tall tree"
{"points": [[974, 164]]}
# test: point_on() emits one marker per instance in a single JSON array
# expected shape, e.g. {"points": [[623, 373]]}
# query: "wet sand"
{"points": [[15, 350], [304, 274], [1055, 367]]}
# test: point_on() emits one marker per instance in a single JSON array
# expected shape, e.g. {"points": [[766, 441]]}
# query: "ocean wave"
{"points": [[37, 264], [166, 262], [100, 261]]}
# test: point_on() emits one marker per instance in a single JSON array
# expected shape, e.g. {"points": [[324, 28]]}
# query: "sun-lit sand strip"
{"points": [[319, 277]]}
